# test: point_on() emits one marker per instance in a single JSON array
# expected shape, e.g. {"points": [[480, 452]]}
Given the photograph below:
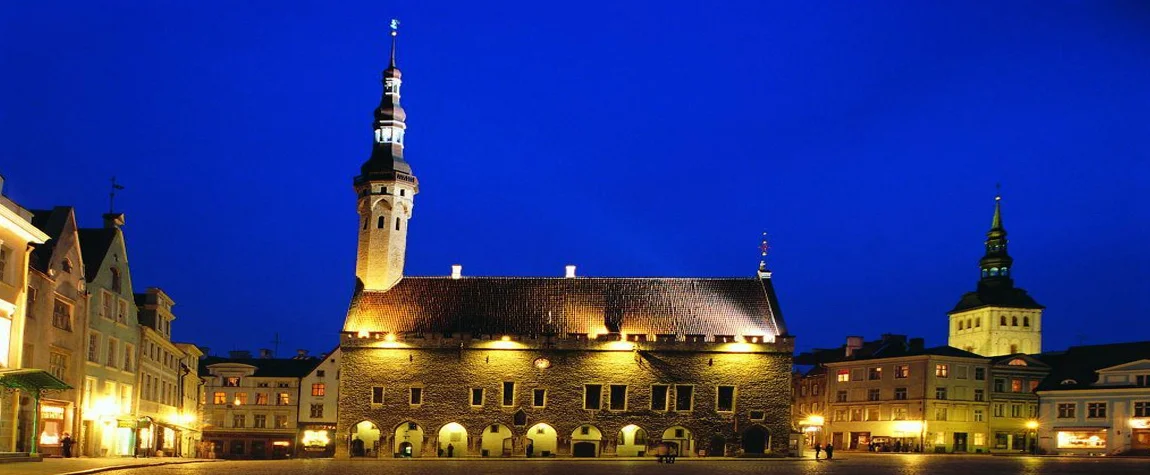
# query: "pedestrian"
{"points": [[530, 449], [450, 450], [818, 448], [67, 442], [672, 454], [661, 453], [830, 451]]}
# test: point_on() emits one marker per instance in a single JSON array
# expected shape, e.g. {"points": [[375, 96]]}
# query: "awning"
{"points": [[30, 379]]}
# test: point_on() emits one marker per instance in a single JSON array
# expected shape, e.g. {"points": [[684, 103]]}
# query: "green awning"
{"points": [[30, 379]]}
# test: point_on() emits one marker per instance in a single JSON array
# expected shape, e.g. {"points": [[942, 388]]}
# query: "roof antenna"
{"points": [[394, 33], [112, 196]]}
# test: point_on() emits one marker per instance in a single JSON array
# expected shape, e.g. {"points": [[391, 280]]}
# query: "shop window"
{"points": [[1095, 439]]}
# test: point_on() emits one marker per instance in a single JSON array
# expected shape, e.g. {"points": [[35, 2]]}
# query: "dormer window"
{"points": [[231, 382], [1067, 382], [66, 266], [696, 338]]}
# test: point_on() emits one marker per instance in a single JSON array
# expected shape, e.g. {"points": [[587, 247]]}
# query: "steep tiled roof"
{"points": [[94, 244], [52, 222], [266, 367], [1009, 297], [1080, 363], [509, 305]]}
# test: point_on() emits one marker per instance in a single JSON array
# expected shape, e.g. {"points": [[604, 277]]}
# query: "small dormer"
{"points": [[1134, 373]]}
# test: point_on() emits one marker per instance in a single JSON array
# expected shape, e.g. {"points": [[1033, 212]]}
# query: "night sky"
{"points": [[631, 140]]}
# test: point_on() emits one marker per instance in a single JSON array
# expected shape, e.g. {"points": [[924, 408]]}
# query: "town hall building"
{"points": [[470, 366]]}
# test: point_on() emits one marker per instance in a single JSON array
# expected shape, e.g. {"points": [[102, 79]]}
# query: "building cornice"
{"points": [[21, 226]]}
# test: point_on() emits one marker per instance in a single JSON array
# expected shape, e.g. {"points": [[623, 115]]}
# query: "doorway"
{"points": [[960, 441], [754, 440], [583, 449]]}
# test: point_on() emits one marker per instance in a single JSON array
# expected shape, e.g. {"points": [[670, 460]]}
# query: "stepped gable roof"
{"points": [[985, 296], [1078, 365], [94, 244], [52, 222], [538, 305], [266, 367]]}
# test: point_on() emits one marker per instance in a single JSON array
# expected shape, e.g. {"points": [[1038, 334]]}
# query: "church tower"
{"points": [[997, 318], [385, 189]]}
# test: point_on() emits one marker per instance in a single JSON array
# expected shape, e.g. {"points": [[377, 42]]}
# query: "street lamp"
{"points": [[1031, 435]]}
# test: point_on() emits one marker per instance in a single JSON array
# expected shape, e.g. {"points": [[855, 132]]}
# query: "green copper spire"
{"points": [[995, 264]]}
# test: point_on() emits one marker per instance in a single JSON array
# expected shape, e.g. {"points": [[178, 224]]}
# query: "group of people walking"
{"points": [[830, 449]]}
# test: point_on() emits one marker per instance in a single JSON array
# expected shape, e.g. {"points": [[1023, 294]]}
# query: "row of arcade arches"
{"points": [[539, 440]]}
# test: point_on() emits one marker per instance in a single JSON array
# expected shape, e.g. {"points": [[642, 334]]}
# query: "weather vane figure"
{"points": [[764, 247]]}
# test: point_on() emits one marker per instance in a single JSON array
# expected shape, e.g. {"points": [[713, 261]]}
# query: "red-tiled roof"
{"points": [[510, 305]]}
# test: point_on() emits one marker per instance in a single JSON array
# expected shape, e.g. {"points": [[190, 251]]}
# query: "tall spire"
{"points": [[390, 125], [996, 263]]}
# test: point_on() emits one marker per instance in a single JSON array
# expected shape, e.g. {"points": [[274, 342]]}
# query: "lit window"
{"points": [[874, 374], [902, 371], [219, 398], [318, 389], [942, 370], [282, 399], [261, 399], [844, 375]]}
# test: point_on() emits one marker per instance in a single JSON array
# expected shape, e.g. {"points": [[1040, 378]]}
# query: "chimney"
{"points": [[113, 220], [265, 354], [570, 271], [456, 271], [917, 344], [854, 343], [301, 354], [239, 354]]}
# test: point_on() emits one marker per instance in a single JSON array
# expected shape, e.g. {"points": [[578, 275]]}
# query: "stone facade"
{"points": [[54, 337], [448, 369]]}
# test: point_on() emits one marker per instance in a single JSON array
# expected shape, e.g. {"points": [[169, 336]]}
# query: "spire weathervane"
{"points": [[394, 25], [764, 246], [112, 196]]}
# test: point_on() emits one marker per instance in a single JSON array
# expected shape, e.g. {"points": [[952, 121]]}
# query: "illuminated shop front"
{"points": [[1082, 438], [52, 426], [316, 440]]}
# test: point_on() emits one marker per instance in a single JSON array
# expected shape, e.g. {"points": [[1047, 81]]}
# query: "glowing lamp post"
{"points": [[1031, 435]]}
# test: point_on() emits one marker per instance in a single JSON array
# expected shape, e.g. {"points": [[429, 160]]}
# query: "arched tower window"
{"points": [[1002, 321], [1013, 348], [366, 221], [381, 222], [1014, 321], [993, 271], [1003, 271], [960, 325], [1026, 321], [397, 223], [978, 322], [968, 322]]}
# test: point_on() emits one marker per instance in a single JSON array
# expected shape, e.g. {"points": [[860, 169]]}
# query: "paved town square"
{"points": [[848, 464]]}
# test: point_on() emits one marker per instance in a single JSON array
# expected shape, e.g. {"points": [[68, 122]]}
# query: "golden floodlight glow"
{"points": [[506, 338], [815, 420], [315, 437], [908, 426], [1031, 425], [390, 337], [362, 334], [1140, 423]]}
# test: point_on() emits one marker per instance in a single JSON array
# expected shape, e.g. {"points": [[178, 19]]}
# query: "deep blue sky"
{"points": [[648, 140]]}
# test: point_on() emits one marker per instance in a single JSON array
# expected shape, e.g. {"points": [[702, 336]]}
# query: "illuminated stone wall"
{"points": [[983, 332], [448, 368]]}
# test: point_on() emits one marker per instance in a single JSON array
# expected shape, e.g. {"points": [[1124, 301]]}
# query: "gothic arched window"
{"points": [[1014, 321], [1026, 321], [1002, 321]]}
